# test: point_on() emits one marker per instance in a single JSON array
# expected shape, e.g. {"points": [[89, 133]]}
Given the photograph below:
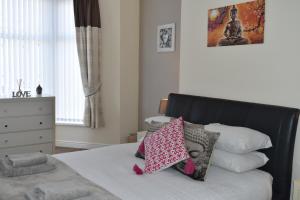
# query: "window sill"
{"points": [[70, 124]]}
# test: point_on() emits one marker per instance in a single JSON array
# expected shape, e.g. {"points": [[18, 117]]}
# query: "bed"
{"points": [[111, 167]]}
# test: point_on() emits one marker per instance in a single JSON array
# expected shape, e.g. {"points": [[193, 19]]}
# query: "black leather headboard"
{"points": [[280, 123]]}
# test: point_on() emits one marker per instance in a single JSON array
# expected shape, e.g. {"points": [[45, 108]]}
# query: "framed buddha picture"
{"points": [[239, 24]]}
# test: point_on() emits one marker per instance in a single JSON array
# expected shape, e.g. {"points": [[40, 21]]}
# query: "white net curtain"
{"points": [[38, 45]]}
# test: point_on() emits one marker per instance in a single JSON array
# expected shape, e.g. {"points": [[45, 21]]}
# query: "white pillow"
{"points": [[161, 119], [239, 139], [238, 162], [141, 135]]}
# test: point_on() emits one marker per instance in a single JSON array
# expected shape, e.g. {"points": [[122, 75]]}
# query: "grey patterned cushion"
{"points": [[154, 126], [200, 145]]}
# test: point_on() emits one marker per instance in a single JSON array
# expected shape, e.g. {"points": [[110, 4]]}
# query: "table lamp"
{"points": [[163, 106]]}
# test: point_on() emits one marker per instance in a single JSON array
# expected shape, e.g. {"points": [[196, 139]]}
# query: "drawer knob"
{"points": [[5, 141], [6, 156], [41, 123], [5, 125], [41, 137], [41, 151]]}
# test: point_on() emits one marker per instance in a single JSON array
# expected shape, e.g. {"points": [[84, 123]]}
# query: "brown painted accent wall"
{"points": [[159, 72]]}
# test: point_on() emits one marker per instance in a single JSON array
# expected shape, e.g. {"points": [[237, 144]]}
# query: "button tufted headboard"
{"points": [[280, 123]]}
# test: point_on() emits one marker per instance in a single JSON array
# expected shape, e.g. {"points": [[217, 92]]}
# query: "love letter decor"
{"points": [[20, 93]]}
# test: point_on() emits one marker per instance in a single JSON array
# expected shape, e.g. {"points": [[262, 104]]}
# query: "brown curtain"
{"points": [[88, 37]]}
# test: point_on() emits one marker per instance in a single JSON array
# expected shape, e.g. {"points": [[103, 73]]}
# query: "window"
{"points": [[38, 45], [68, 87]]}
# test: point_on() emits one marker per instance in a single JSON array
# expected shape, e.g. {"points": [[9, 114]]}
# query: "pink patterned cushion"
{"points": [[165, 147]]}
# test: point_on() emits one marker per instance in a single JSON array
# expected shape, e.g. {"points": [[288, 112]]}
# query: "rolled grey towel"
{"points": [[63, 190], [9, 171], [5, 165], [28, 159]]}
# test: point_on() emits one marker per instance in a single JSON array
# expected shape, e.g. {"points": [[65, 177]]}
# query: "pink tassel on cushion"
{"points": [[142, 148], [137, 170], [189, 167]]}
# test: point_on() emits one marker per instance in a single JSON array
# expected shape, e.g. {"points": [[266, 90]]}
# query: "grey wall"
{"points": [[159, 72]]}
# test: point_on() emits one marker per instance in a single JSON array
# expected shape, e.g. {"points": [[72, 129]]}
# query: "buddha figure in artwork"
{"points": [[233, 31]]}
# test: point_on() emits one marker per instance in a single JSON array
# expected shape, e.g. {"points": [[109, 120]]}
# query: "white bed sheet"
{"points": [[111, 168]]}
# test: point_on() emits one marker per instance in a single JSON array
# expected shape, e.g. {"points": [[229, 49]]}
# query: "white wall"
{"points": [[267, 73], [119, 63], [129, 68]]}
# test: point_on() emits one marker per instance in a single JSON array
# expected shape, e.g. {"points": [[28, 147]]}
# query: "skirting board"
{"points": [[79, 145]]}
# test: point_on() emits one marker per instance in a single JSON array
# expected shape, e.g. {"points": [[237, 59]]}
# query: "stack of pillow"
{"points": [[236, 149], [197, 146]]}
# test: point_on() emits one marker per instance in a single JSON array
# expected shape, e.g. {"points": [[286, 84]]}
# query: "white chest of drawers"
{"points": [[27, 125]]}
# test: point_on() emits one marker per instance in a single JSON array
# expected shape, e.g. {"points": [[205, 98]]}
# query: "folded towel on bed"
{"points": [[28, 159], [91, 197], [64, 190], [9, 171], [31, 196]]}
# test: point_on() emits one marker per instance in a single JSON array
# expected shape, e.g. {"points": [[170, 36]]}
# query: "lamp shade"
{"points": [[163, 106]]}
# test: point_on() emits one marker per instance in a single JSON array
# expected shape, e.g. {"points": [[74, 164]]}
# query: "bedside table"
{"points": [[296, 195], [132, 138], [136, 137]]}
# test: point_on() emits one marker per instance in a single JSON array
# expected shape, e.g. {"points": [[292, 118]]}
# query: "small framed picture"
{"points": [[166, 38]]}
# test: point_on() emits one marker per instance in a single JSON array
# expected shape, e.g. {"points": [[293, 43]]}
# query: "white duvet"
{"points": [[111, 168]]}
